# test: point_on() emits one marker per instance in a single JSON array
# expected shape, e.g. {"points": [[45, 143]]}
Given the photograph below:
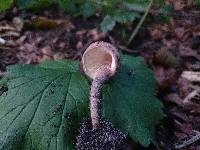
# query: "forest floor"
{"points": [[169, 48]]}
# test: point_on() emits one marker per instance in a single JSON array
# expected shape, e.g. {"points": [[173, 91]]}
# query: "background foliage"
{"points": [[112, 11], [5, 4]]}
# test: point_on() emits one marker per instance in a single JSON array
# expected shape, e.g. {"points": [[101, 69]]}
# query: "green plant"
{"points": [[45, 103], [33, 4], [5, 4], [112, 11], [197, 2]]}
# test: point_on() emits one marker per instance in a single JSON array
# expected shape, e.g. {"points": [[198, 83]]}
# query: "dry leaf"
{"points": [[178, 5], [191, 76], [165, 58]]}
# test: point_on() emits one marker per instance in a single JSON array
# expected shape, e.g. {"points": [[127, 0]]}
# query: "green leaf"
{"points": [[168, 9], [67, 5], [197, 2], [33, 4], [140, 7], [4, 81], [129, 101], [5, 4], [124, 17], [108, 23], [88, 10], [43, 106]]}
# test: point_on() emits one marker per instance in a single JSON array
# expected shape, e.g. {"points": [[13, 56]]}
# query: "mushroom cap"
{"points": [[97, 55]]}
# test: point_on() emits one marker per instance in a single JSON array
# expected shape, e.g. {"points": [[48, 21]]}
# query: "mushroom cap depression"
{"points": [[100, 54]]}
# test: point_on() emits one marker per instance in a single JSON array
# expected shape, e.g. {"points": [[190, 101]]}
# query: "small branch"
{"points": [[127, 50], [193, 76], [188, 142], [191, 95], [2, 41], [139, 24]]}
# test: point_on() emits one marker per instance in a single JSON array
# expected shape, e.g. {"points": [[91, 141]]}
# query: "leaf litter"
{"points": [[180, 38]]}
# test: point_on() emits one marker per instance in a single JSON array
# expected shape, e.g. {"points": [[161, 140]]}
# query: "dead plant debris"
{"points": [[171, 49]]}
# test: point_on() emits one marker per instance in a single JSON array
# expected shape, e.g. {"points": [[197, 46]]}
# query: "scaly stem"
{"points": [[102, 75]]}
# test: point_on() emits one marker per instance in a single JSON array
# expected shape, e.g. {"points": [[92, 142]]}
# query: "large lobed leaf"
{"points": [[43, 106], [130, 103], [45, 103]]}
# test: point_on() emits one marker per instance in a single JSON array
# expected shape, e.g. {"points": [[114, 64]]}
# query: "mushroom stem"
{"points": [[102, 75]]}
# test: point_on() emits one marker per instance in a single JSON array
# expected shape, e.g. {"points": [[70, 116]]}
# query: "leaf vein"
{"points": [[63, 110]]}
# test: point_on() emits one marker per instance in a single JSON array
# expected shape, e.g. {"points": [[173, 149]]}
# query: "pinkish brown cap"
{"points": [[100, 54]]}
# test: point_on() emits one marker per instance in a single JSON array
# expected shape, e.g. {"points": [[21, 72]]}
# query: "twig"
{"points": [[193, 76], [127, 50], [191, 95], [2, 41], [139, 24], [111, 39], [188, 142]]}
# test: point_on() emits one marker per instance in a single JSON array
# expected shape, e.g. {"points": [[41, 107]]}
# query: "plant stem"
{"points": [[140, 23], [102, 75]]}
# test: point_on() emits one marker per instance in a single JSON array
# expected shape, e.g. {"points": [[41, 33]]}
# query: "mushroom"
{"points": [[100, 61]]}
